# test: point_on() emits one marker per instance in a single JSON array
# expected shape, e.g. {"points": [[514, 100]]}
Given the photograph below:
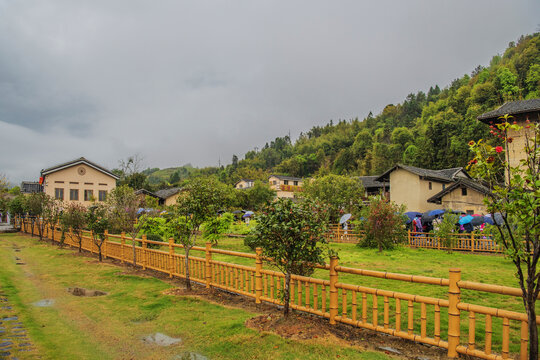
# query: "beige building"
{"points": [[412, 186], [167, 197], [80, 181], [463, 195], [521, 111], [244, 184], [285, 186]]}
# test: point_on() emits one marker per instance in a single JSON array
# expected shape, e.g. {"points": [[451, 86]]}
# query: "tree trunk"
{"points": [[533, 332], [188, 282], [287, 294], [99, 244]]}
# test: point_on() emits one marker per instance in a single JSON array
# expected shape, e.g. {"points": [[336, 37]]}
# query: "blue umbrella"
{"points": [[411, 215], [466, 219], [488, 219], [436, 212], [344, 218], [248, 214], [140, 211]]}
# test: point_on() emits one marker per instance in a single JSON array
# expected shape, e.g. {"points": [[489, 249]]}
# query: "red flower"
{"points": [[498, 149], [471, 143]]}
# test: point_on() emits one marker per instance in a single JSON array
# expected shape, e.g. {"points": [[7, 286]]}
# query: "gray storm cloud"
{"points": [[195, 82]]}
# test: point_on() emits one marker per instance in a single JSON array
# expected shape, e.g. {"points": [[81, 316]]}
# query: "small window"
{"points": [[102, 184], [58, 182], [88, 183], [102, 195], [74, 194], [74, 182], [286, 182], [463, 191], [470, 212], [430, 185], [295, 183], [274, 182], [59, 194], [88, 195]]}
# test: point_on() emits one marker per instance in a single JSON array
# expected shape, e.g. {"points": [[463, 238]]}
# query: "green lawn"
{"points": [[490, 269], [110, 327]]}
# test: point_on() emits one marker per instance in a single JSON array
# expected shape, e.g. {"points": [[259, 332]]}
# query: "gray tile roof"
{"points": [[29, 187], [443, 175], [511, 108], [369, 182], [75, 162], [468, 183], [145, 192], [167, 193], [283, 177]]}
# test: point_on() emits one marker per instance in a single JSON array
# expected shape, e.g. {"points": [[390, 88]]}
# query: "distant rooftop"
{"points": [[443, 175]]}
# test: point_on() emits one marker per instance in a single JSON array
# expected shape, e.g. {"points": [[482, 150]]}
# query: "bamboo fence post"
{"points": [[171, 252], [472, 242], [454, 294], [144, 245], [106, 234], [71, 235], [122, 243], [333, 290], [258, 275], [208, 264]]}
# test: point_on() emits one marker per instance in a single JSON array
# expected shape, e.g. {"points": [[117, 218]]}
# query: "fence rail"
{"points": [[447, 323]]}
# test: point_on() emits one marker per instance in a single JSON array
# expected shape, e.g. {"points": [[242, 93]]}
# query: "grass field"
{"points": [[111, 327]]}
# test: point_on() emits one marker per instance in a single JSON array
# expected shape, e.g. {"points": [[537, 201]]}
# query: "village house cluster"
{"points": [[422, 190]]}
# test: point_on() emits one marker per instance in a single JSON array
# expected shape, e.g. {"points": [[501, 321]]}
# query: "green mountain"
{"points": [[428, 130]]}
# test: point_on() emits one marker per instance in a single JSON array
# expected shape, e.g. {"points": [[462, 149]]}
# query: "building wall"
{"points": [[71, 178], [171, 200], [285, 190], [408, 189], [473, 202], [244, 184], [517, 146]]}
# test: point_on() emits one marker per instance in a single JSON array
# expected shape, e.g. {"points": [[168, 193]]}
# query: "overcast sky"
{"points": [[197, 81]]}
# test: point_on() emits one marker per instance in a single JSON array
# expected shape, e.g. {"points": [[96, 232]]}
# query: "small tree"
{"points": [[154, 227], [446, 228], [16, 207], [51, 213], [123, 206], [35, 206], [215, 227], [291, 235], [383, 225], [74, 217], [343, 194], [517, 200], [201, 200], [96, 218]]}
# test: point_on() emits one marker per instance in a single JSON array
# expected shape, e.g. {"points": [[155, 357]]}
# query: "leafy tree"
{"points": [[216, 226], [201, 199], [508, 83], [74, 218], [342, 194], [446, 228], [51, 213], [154, 227], [97, 222], [383, 224], [291, 235], [35, 207], [123, 205], [517, 201]]}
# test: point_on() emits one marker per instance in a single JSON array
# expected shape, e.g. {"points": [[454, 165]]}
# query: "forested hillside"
{"points": [[428, 130]]}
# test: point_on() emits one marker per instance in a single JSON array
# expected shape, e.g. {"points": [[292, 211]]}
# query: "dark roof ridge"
{"points": [[511, 107], [469, 183]]}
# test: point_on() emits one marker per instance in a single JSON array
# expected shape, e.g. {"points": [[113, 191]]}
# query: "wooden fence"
{"points": [[454, 325], [473, 242]]}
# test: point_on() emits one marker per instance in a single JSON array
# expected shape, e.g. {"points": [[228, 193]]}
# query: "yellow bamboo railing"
{"points": [[361, 306]]}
